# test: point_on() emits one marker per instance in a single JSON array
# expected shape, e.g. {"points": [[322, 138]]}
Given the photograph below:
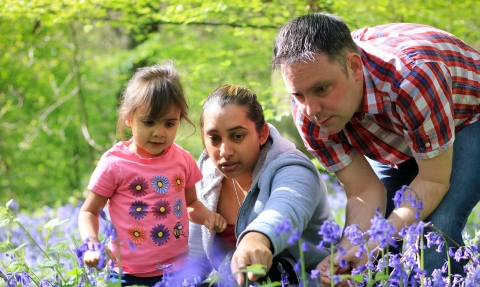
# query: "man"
{"points": [[405, 96]]}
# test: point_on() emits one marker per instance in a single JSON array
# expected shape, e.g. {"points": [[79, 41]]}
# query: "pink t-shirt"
{"points": [[147, 205]]}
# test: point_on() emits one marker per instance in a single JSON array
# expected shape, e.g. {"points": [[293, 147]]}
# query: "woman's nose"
{"points": [[225, 150]]}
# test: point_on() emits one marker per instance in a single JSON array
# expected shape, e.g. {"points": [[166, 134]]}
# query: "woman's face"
{"points": [[231, 140]]}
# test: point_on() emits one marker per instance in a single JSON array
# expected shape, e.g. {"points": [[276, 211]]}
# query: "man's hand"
{"points": [[325, 272], [254, 248], [215, 222], [350, 257]]}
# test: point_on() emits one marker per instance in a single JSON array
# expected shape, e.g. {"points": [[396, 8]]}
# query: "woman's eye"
{"points": [[213, 138], [237, 137]]}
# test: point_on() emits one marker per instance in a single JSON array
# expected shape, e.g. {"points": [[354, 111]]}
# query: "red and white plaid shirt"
{"points": [[421, 85]]}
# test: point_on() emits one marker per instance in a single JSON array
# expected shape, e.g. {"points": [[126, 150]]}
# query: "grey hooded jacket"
{"points": [[285, 184]]}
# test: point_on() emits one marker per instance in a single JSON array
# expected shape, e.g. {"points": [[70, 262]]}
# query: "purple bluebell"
{"points": [[330, 231], [382, 231], [354, 234], [294, 237], [315, 274], [284, 227]]}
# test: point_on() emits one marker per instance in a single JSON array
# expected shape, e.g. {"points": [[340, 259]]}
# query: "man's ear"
{"points": [[264, 133], [355, 65]]}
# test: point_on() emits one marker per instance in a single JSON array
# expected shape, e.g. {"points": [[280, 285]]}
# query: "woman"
{"points": [[255, 179]]}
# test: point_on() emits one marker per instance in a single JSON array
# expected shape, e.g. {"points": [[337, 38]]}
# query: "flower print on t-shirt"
{"points": [[160, 234], [178, 207], [138, 187], [160, 184], [178, 181], [161, 209], [137, 234], [138, 209]]}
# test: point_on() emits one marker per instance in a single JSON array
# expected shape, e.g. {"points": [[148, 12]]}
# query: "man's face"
{"points": [[324, 92]]}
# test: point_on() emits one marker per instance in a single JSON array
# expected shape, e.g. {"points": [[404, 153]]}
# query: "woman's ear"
{"points": [[264, 133]]}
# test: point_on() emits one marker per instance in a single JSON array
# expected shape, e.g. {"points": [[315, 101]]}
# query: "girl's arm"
{"points": [[88, 224], [198, 213]]}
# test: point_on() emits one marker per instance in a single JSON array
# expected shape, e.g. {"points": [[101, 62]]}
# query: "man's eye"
{"points": [[321, 89], [298, 98]]}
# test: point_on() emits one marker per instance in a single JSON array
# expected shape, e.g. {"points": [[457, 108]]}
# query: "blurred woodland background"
{"points": [[64, 64]]}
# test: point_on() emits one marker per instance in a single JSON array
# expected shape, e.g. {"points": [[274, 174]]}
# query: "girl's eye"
{"points": [[148, 122], [170, 125]]}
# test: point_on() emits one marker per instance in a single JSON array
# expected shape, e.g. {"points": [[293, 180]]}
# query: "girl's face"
{"points": [[231, 140], [152, 136]]}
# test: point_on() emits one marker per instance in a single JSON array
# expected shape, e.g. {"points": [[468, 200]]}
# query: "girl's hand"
{"points": [[91, 258], [215, 222]]}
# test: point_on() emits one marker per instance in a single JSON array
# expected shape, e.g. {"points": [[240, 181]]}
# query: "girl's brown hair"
{"points": [[157, 88]]}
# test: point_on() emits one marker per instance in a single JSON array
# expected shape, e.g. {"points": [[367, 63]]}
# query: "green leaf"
{"points": [[256, 269], [4, 222], [60, 246], [54, 222], [48, 264]]}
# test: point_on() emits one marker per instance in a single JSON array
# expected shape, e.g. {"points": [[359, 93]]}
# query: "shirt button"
{"points": [[427, 144]]}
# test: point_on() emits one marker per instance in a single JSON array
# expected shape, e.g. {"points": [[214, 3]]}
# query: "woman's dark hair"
{"points": [[239, 96]]}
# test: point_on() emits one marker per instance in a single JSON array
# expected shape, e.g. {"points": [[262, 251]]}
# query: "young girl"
{"points": [[148, 182]]}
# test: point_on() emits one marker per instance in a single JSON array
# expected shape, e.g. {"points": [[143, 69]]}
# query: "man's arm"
{"points": [[430, 185], [365, 192]]}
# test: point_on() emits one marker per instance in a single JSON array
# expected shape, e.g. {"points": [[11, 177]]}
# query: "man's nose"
{"points": [[311, 106]]}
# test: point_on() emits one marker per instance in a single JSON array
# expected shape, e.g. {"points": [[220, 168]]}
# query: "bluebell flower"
{"points": [[382, 231], [304, 246], [343, 263], [294, 237], [361, 250], [284, 227], [297, 267], [330, 231], [321, 245], [398, 199], [354, 234], [315, 274]]}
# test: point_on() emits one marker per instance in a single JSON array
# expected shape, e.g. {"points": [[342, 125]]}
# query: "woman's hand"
{"points": [[215, 222], [254, 248]]}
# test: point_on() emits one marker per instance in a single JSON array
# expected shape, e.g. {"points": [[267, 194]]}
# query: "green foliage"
{"points": [[65, 63]]}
